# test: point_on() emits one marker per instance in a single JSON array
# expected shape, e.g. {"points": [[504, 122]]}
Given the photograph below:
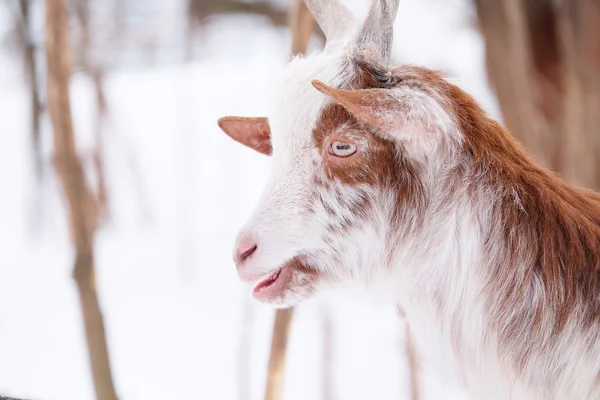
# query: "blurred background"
{"points": [[120, 198]]}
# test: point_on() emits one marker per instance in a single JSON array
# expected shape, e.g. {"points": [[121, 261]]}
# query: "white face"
{"points": [[304, 231], [347, 178], [325, 215]]}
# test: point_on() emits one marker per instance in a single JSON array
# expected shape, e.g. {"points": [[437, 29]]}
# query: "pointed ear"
{"points": [[372, 106], [252, 132]]}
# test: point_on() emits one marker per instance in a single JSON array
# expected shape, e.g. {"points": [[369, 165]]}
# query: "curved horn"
{"points": [[377, 32], [334, 18]]}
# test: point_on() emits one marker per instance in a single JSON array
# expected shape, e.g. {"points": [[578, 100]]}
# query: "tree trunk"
{"points": [[95, 332], [81, 205], [504, 25], [543, 58], [276, 371], [579, 27], [301, 24]]}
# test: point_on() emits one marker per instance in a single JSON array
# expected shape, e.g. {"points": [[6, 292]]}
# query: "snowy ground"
{"points": [[170, 294]]}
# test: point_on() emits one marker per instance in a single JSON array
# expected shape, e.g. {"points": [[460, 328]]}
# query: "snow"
{"points": [[179, 190]]}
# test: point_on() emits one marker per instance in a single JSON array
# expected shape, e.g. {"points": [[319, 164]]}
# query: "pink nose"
{"points": [[243, 252]]}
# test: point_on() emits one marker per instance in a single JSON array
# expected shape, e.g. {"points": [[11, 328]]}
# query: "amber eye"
{"points": [[342, 149]]}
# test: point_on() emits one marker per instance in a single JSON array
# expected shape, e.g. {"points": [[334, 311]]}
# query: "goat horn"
{"points": [[334, 18], [377, 32]]}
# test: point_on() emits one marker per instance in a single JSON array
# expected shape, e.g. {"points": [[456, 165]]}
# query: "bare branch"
{"points": [[96, 73], [26, 42], [200, 11]]}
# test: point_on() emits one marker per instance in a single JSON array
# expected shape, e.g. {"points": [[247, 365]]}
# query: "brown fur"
{"points": [[383, 164], [542, 247], [545, 233], [549, 234]]}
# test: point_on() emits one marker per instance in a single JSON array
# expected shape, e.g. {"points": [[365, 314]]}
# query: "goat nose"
{"points": [[244, 251]]}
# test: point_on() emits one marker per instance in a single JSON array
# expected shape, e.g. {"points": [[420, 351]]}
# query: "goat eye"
{"points": [[342, 149]]}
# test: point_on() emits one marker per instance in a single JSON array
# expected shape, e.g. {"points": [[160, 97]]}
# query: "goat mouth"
{"points": [[276, 284], [269, 281], [294, 274]]}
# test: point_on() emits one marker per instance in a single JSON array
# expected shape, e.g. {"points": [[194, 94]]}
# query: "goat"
{"points": [[392, 178]]}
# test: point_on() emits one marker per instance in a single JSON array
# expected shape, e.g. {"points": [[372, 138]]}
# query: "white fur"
{"points": [[435, 274]]}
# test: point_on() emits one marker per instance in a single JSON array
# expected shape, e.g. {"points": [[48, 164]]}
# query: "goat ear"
{"points": [[372, 106], [252, 132]]}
